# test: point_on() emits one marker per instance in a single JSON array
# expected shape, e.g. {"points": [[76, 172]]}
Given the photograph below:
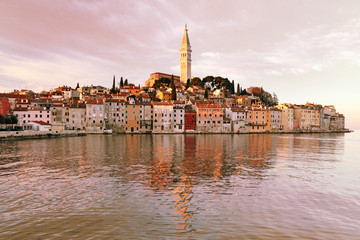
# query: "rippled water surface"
{"points": [[181, 187]]}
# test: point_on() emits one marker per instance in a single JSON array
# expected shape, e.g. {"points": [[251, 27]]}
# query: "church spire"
{"points": [[185, 41]]}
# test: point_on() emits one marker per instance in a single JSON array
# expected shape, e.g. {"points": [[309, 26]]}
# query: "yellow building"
{"points": [[305, 116], [287, 116], [163, 96]]}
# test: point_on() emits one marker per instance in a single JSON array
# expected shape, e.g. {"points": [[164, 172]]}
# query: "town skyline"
{"points": [[313, 57]]}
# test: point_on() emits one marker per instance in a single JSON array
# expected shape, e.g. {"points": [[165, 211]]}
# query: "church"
{"points": [[185, 64]]}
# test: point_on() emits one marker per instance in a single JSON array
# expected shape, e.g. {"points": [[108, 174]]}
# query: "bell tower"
{"points": [[185, 57]]}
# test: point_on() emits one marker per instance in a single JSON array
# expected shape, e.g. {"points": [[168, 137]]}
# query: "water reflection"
{"points": [[169, 184]]}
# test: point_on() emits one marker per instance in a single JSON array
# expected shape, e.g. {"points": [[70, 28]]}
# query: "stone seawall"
{"points": [[23, 135]]}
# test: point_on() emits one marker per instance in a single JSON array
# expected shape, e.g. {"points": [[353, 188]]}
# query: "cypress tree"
{"points": [[126, 82], [112, 90], [173, 90], [232, 87], [77, 86], [121, 82], [238, 90], [187, 83], [206, 94]]}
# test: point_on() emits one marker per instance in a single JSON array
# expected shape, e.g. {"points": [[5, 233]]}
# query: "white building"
{"points": [[38, 126], [163, 117], [276, 121], [146, 117], [28, 115], [77, 116], [114, 114], [95, 112], [238, 119], [179, 116]]}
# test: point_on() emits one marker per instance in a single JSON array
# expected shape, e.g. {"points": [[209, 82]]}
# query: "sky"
{"points": [[304, 51]]}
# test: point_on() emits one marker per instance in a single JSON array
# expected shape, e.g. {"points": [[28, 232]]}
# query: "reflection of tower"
{"points": [[183, 195], [185, 58]]}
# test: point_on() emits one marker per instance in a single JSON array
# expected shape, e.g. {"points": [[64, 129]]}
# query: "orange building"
{"points": [[209, 117], [132, 117], [130, 89], [244, 100], [258, 119]]}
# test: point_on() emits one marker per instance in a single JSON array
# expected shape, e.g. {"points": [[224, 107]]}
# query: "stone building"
{"points": [[185, 57]]}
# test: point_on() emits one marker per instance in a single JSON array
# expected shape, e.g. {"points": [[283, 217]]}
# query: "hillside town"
{"points": [[132, 109], [165, 104]]}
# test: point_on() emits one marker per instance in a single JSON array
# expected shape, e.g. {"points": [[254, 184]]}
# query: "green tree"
{"points": [[238, 90], [163, 81], [244, 92], [14, 119], [206, 94], [77, 86], [121, 82], [2, 119], [208, 79], [196, 82], [8, 120], [126, 82], [173, 89]]}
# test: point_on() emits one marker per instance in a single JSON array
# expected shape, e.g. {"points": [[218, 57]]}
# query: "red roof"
{"points": [[41, 122], [163, 103], [208, 105], [115, 100]]}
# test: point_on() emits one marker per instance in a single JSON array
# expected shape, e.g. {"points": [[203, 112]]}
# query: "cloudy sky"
{"points": [[304, 51]]}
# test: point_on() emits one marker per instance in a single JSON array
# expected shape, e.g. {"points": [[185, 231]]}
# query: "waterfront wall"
{"points": [[22, 135]]}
